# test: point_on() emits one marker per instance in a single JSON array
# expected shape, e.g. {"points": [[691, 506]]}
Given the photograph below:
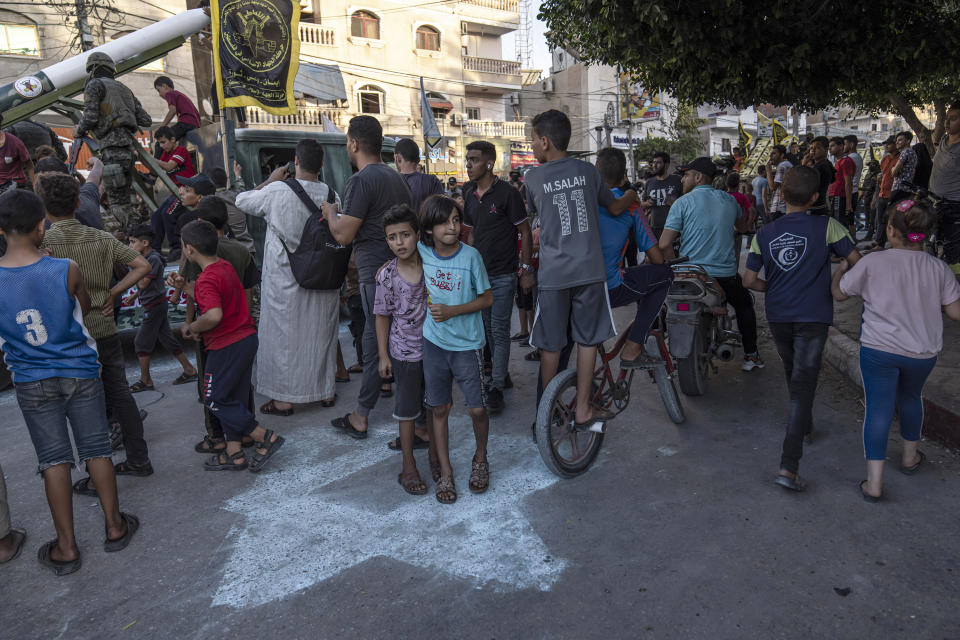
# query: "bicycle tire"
{"points": [[554, 419], [667, 387]]}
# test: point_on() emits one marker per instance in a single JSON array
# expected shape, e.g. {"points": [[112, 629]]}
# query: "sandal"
{"points": [[270, 409], [793, 484], [208, 445], [345, 378], [533, 356], [126, 469], [446, 486], [599, 415], [479, 477], [18, 547], [435, 470], [222, 462], [911, 470], [415, 487], [139, 386], [133, 523], [344, 423], [82, 487], [60, 568], [184, 378], [356, 368], [418, 443], [258, 460], [326, 404], [866, 496]]}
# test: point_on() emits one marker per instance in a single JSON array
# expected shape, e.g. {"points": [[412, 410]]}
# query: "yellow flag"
{"points": [[256, 53], [745, 140], [779, 132]]}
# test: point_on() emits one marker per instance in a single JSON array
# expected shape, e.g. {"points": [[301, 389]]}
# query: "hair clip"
{"points": [[916, 237], [905, 205]]}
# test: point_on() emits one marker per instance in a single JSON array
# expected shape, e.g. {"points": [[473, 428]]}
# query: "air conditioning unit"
{"points": [[459, 119], [514, 99], [548, 85]]}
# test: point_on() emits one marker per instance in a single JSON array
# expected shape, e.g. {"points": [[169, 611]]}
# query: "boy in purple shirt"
{"points": [[401, 306], [188, 118]]}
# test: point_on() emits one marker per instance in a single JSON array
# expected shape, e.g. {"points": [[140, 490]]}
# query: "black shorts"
{"points": [[585, 308], [156, 327], [409, 393]]}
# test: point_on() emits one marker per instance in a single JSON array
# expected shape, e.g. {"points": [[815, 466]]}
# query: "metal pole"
{"points": [[633, 160], [226, 148]]}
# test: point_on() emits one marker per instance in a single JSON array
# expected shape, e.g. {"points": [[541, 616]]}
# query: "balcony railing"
{"points": [[317, 34], [489, 129], [502, 5], [491, 65], [305, 117]]}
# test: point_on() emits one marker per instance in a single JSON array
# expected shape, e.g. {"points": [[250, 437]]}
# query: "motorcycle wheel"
{"points": [[693, 370]]}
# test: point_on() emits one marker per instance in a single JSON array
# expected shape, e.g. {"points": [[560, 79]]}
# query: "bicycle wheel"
{"points": [[565, 451], [667, 387]]}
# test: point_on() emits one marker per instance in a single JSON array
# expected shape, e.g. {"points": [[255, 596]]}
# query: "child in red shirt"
{"points": [[174, 159], [231, 342]]}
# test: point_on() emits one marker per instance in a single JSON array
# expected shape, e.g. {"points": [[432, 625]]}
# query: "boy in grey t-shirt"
{"points": [[572, 282]]}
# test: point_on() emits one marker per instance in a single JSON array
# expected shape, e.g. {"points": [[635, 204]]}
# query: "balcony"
{"points": [[489, 17], [489, 129], [314, 37], [306, 117], [484, 72], [501, 5]]}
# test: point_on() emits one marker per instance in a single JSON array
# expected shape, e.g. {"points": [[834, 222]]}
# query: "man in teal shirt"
{"points": [[706, 220]]}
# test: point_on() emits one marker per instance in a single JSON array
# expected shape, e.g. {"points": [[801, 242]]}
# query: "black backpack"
{"points": [[320, 262]]}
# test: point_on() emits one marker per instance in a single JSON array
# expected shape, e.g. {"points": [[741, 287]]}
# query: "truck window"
{"points": [[272, 157]]}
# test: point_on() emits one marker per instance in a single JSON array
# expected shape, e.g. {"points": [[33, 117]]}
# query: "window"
{"points": [[364, 24], [439, 114], [19, 39], [873, 127], [473, 113], [884, 126], [428, 38], [725, 144], [371, 99]]}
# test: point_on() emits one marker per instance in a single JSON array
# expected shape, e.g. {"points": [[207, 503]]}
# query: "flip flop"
{"points": [[793, 484], [326, 404], [139, 386], [356, 368], [58, 568], [133, 523], [82, 487], [866, 496], [909, 471], [270, 409], [533, 356], [184, 378], [342, 379], [344, 423], [418, 443], [407, 487], [126, 469], [19, 546]]}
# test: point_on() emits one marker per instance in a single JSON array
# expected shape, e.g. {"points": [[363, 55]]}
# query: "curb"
{"points": [[939, 423]]}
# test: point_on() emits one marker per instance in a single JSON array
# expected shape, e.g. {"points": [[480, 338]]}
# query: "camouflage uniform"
{"points": [[113, 115]]}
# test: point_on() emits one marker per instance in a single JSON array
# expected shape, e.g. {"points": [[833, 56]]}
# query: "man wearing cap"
{"points": [[175, 212], [706, 219], [113, 115]]}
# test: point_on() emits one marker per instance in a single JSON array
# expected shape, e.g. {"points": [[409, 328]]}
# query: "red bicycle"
{"points": [[568, 451]]}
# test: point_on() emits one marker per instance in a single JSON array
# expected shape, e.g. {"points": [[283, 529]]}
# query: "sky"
{"points": [[541, 54]]}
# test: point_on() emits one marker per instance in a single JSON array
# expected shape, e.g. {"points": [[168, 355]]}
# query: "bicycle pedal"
{"points": [[596, 427]]}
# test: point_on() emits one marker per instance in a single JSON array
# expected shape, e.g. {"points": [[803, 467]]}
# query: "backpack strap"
{"points": [[307, 201]]}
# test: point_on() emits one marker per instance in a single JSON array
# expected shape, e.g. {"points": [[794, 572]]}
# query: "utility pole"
{"points": [[633, 160], [83, 28]]}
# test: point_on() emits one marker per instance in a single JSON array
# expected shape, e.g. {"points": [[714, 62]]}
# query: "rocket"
{"points": [[66, 78]]}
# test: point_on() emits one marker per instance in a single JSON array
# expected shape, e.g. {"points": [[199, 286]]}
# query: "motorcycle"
{"points": [[699, 327]]}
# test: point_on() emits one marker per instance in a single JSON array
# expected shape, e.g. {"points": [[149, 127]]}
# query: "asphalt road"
{"points": [[676, 532]]}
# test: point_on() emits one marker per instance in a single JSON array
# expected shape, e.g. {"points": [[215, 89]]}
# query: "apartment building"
{"points": [[36, 35], [367, 57]]}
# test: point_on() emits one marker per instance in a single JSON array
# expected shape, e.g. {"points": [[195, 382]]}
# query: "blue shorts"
{"points": [[442, 367], [46, 405]]}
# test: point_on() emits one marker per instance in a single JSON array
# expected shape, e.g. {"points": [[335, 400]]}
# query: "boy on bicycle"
{"points": [[645, 284], [566, 193]]}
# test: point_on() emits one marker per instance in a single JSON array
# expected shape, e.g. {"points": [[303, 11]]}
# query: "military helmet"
{"points": [[100, 59]]}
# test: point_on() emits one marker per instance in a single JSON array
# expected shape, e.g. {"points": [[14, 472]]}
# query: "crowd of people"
{"points": [[435, 274]]}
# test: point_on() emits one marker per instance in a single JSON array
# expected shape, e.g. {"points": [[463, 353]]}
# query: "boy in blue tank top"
{"points": [[57, 376]]}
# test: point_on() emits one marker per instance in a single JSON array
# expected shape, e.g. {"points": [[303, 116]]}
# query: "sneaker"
{"points": [[752, 361], [494, 400]]}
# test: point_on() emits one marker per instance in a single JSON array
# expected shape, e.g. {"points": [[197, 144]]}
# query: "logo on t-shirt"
{"points": [[787, 250]]}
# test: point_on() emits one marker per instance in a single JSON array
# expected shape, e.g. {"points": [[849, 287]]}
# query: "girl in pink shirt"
{"points": [[903, 289]]}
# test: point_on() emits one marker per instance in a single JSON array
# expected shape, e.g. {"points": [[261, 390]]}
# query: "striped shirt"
{"points": [[96, 252]]}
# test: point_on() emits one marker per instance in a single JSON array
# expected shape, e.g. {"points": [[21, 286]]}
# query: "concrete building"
{"points": [[34, 36], [597, 105], [368, 56]]}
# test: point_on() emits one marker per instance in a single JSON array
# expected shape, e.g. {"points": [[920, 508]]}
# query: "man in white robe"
{"points": [[298, 327]]}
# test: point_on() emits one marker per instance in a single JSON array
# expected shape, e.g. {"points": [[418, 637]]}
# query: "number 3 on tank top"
{"points": [[36, 333], [560, 200]]}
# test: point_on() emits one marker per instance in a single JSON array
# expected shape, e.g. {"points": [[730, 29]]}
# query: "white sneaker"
{"points": [[752, 362]]}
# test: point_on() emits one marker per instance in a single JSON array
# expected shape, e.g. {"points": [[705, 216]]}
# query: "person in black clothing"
{"points": [[660, 191], [494, 212], [422, 185], [816, 158]]}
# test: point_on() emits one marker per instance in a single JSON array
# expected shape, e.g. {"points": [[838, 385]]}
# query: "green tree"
{"points": [[683, 139], [878, 55]]}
